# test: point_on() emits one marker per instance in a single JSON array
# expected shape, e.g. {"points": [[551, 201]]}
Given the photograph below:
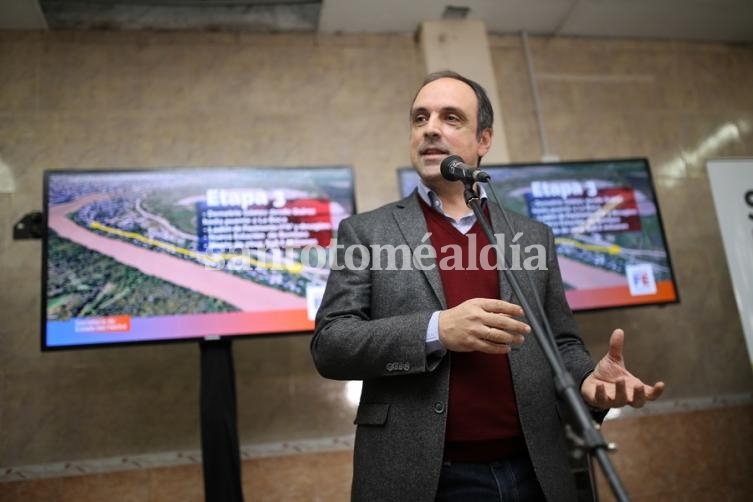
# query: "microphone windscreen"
{"points": [[452, 168]]}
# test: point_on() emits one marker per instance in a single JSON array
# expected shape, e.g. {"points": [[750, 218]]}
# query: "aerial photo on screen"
{"points": [[125, 246], [605, 222]]}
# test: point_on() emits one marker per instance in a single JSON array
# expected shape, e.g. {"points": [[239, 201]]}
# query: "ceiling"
{"points": [[702, 20]]}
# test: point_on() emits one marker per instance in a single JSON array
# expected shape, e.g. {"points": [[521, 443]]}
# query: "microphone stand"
{"points": [[591, 439]]}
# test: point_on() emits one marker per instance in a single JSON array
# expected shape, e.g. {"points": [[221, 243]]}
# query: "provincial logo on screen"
{"points": [[641, 279]]}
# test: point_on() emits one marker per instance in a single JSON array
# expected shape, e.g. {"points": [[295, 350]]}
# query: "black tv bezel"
{"points": [[125, 170], [563, 163]]}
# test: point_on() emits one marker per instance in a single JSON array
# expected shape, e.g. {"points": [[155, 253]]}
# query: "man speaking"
{"points": [[458, 401]]}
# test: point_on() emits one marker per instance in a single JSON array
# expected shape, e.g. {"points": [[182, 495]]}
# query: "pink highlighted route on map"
{"points": [[243, 294]]}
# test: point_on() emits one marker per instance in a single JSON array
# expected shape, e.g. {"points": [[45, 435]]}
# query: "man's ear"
{"points": [[485, 142]]}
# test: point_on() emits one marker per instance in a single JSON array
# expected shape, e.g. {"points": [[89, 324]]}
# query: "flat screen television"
{"points": [[136, 256], [606, 221]]}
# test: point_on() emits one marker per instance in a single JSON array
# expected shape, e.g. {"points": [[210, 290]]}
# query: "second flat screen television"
{"points": [[606, 222]]}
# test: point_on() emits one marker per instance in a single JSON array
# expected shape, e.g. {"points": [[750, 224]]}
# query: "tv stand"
{"points": [[219, 423]]}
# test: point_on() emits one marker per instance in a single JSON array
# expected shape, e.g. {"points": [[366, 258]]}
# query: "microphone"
{"points": [[454, 169]]}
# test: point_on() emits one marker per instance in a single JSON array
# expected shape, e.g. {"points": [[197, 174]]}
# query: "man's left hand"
{"points": [[611, 385]]}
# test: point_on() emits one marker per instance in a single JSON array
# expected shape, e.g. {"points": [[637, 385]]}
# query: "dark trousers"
{"points": [[504, 480]]}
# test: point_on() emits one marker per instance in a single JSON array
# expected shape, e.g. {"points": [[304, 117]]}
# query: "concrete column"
{"points": [[461, 45]]}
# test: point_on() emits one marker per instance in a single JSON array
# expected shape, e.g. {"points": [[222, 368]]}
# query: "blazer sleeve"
{"points": [[574, 353], [348, 344]]}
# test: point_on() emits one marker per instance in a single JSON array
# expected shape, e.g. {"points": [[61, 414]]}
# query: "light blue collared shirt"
{"points": [[463, 225]]}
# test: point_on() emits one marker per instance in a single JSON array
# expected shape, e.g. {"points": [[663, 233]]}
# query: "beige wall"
{"points": [[665, 101], [78, 100], [91, 100]]}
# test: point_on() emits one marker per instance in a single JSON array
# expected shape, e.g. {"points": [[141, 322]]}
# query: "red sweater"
{"points": [[482, 417]]}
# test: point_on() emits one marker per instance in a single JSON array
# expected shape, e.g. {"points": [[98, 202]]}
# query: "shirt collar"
{"points": [[428, 196]]}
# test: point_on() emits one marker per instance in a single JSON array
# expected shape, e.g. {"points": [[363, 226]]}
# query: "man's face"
{"points": [[443, 122]]}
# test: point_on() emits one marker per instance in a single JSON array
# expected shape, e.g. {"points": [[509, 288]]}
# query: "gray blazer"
{"points": [[371, 326]]}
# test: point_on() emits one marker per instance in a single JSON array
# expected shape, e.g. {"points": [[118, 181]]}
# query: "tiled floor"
{"points": [[320, 477], [687, 456]]}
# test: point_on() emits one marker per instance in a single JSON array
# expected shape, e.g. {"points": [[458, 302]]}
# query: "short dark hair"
{"points": [[485, 113]]}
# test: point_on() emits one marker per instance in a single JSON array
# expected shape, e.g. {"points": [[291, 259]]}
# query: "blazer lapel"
{"points": [[412, 223], [499, 226]]}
